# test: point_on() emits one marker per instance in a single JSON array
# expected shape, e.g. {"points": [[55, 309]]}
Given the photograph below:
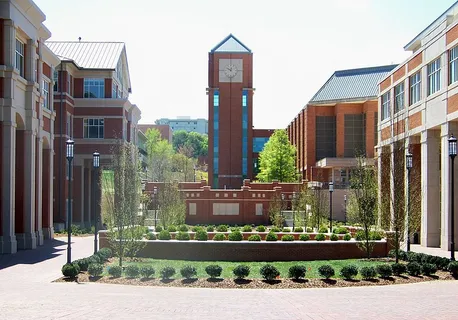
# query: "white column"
{"points": [[31, 60], [379, 183], [48, 232], [39, 191]]}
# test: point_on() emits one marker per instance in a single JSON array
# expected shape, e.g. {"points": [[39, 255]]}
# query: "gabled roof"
{"points": [[352, 85], [231, 44], [88, 55]]}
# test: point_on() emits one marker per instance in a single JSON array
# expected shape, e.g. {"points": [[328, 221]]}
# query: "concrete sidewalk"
{"points": [[432, 251]]}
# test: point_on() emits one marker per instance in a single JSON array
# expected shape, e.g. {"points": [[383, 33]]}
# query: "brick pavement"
{"points": [[27, 293]]}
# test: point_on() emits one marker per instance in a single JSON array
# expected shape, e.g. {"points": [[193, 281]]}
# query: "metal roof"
{"points": [[231, 44], [88, 55], [352, 84]]}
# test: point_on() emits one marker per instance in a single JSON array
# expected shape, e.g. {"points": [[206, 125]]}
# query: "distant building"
{"points": [[185, 123], [164, 129]]}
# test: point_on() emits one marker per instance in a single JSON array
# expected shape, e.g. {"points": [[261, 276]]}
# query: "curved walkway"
{"points": [[27, 293]]}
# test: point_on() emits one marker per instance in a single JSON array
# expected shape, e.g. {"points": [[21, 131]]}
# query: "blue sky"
{"points": [[297, 45]]}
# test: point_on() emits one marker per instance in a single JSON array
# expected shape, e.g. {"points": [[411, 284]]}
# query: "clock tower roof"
{"points": [[230, 44]]}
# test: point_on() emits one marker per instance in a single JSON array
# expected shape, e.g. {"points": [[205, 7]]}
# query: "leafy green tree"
{"points": [[160, 154], [172, 206], [276, 206], [194, 141], [278, 159]]}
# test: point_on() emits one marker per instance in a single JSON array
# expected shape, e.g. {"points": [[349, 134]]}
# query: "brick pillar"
{"points": [[39, 191]]}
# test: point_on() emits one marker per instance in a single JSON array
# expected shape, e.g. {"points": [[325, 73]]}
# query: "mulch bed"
{"points": [[260, 284]]}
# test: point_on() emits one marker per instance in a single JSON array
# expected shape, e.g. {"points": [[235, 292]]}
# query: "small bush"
{"points": [[106, 253], [183, 228], [304, 237], [159, 229], [347, 237], [132, 271], [82, 264], [241, 271], [269, 272], [297, 272], [221, 228], [164, 235], [275, 229], [320, 237], [376, 235], [70, 270], [247, 228], [384, 270], [334, 237], [340, 230], [172, 228], [235, 236], [298, 229], [213, 270], [210, 228], [197, 228], [453, 268], [287, 237], [147, 272], [323, 230], [184, 236], [201, 235], [373, 235], [271, 236], [368, 272], [349, 271], [188, 272], [254, 237], [309, 230], [399, 268], [167, 272], [286, 230], [94, 259], [261, 229], [115, 271], [219, 237], [95, 269], [151, 236], [235, 229], [428, 269], [326, 271], [413, 268]]}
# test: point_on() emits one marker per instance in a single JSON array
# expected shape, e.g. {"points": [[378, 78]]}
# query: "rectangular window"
{"points": [[46, 100], [399, 97], [94, 88], [192, 209], [215, 138], [56, 80], [20, 57], [453, 65], [258, 143], [434, 76], [93, 128], [259, 209], [245, 133], [325, 137], [386, 106], [114, 91], [354, 133], [415, 88]]}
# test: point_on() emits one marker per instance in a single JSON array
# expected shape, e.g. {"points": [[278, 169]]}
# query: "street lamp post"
{"points": [[69, 153], [345, 209], [281, 207], [331, 190], [96, 165], [295, 206], [155, 206], [409, 163], [452, 154]]}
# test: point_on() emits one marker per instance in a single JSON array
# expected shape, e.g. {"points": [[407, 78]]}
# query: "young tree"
{"points": [[276, 206], [160, 154], [278, 159], [318, 199], [172, 207]]}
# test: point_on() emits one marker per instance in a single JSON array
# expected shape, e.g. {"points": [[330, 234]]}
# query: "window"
{"points": [[93, 128], [434, 76], [258, 143], [453, 64], [56, 80], [114, 91], [325, 135], [20, 57], [259, 209], [94, 88], [215, 137], [399, 97], [244, 133], [415, 88], [386, 106], [46, 100], [69, 125], [354, 133], [192, 209]]}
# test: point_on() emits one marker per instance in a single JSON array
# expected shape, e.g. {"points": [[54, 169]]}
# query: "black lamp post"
{"points": [[281, 207], [345, 209], [408, 167], [331, 190], [155, 206], [294, 209], [452, 154], [96, 165], [69, 153]]}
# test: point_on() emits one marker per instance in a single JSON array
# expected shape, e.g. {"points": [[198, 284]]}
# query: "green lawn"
{"points": [[283, 267]]}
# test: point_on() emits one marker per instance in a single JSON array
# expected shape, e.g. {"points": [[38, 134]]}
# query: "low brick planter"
{"points": [[246, 235]]}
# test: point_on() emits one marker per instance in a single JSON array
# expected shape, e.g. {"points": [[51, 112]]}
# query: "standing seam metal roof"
{"points": [[352, 84]]}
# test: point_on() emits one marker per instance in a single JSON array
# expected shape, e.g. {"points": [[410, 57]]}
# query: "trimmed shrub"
{"points": [[286, 230], [398, 268], [95, 269], [304, 237], [94, 259], [297, 272], [221, 228], [164, 235], [453, 268], [241, 271], [309, 230], [167, 272], [106, 253], [428, 269], [368, 272], [269, 272], [298, 229], [151, 236], [188, 272], [254, 237], [183, 228], [334, 237], [172, 228], [413, 268], [384, 270], [210, 228], [159, 229], [184, 236], [347, 237], [261, 228], [147, 272], [235, 236], [70, 270], [326, 271], [247, 228], [271, 236], [219, 237], [373, 235], [197, 228], [320, 237], [349, 271], [275, 229], [115, 271], [201, 235], [287, 237], [82, 264], [323, 230], [213, 270], [376, 235], [235, 229], [132, 271], [340, 230]]}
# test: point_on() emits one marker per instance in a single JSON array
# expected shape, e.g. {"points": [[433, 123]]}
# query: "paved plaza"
{"points": [[27, 293]]}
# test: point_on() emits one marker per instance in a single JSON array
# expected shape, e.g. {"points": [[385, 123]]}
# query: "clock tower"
{"points": [[230, 113]]}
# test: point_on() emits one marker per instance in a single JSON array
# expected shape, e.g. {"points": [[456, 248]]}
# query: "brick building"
{"points": [[164, 129]]}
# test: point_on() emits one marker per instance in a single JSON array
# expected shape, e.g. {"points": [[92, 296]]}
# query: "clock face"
{"points": [[230, 70]]}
